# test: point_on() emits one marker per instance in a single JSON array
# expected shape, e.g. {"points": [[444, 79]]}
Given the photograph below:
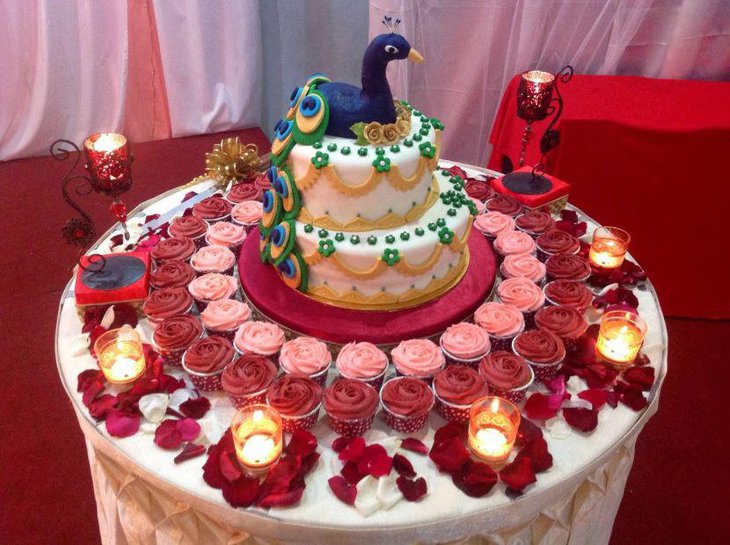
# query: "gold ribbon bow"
{"points": [[231, 160]]}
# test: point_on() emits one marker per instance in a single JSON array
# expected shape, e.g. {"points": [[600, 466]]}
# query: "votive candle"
{"points": [[534, 94], [620, 336], [493, 425], [257, 436], [108, 162], [609, 247], [120, 355]]}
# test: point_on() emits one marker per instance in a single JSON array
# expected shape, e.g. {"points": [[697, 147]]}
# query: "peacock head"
{"points": [[390, 47]]}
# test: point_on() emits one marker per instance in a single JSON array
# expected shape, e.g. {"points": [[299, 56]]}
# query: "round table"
{"points": [[143, 497]]}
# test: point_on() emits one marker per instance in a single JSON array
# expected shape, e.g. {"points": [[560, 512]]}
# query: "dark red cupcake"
{"points": [[174, 335], [543, 350], [298, 400], [556, 241], [456, 388], [166, 303], [479, 190], [508, 375], [245, 191], [173, 249], [567, 267], [205, 361], [189, 227], [569, 293], [535, 222], [172, 274], [406, 403], [566, 322], [247, 379], [213, 209], [350, 406], [504, 204]]}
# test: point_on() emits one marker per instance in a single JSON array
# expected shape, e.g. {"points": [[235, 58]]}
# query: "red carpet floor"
{"points": [[677, 491]]}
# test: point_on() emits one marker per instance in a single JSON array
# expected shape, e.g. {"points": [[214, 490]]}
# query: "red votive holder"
{"points": [[534, 94], [109, 162]]}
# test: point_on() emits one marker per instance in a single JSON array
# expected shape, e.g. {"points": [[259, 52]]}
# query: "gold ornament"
{"points": [[231, 161]]}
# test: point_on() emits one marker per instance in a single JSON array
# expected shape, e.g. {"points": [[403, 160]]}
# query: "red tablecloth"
{"points": [[646, 155]]}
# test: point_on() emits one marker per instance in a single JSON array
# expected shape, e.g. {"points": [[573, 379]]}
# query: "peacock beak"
{"points": [[415, 56]]}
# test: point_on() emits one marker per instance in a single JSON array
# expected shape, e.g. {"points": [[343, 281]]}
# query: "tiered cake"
{"points": [[363, 223]]}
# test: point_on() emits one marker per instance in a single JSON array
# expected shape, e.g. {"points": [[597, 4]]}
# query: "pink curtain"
{"points": [[474, 47]]}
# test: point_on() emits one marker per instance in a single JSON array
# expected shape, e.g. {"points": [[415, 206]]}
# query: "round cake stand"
{"points": [[302, 315]]}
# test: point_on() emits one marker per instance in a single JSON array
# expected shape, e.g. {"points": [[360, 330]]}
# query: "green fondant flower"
{"points": [[405, 235], [326, 247], [427, 149], [379, 151], [446, 235], [456, 180], [472, 207], [445, 173], [317, 145], [323, 233], [419, 231], [308, 228], [441, 222], [447, 197], [417, 137], [320, 159], [372, 240], [417, 113], [339, 237], [390, 239], [362, 152], [432, 226], [408, 142], [451, 211], [355, 239], [345, 150], [390, 256], [381, 164], [332, 147], [395, 148], [437, 124], [424, 130]]}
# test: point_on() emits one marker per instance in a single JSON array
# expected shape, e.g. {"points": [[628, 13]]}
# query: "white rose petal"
{"points": [[367, 501], [108, 318], [577, 403], [80, 345], [575, 384], [153, 406], [148, 427], [388, 492], [558, 428]]}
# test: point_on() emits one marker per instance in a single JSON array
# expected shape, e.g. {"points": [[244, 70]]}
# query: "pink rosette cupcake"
{"points": [[350, 406], [297, 399], [247, 379], [507, 375], [569, 293], [501, 322], [213, 259], [172, 249], [247, 214], [364, 362], [172, 274], [262, 338], [174, 335], [306, 356], [456, 388], [418, 358], [554, 242], [166, 303], [535, 222], [212, 287], [543, 350], [479, 204], [566, 322], [465, 344], [213, 209], [244, 191], [523, 266], [567, 267], [513, 243], [524, 295], [225, 233], [493, 224], [406, 403], [224, 316], [189, 227], [205, 361], [505, 204]]}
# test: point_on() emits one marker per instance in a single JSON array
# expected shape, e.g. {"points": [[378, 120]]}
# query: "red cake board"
{"points": [[295, 311]]}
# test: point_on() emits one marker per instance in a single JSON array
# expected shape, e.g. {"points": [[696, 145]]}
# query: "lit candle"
{"points": [[120, 355], [534, 94], [620, 337], [108, 162], [609, 247], [257, 436], [493, 424]]}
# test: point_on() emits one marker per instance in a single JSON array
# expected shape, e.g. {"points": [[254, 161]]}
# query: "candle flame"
{"points": [[108, 142], [258, 415], [495, 405]]}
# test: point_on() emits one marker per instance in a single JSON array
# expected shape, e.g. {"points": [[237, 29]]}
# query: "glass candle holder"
{"points": [[120, 355], [620, 337], [257, 436], [493, 424], [534, 94], [609, 247], [109, 163]]}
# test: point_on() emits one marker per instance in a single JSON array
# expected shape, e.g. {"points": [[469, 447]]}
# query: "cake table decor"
{"points": [[620, 337], [493, 425], [231, 161], [120, 355], [257, 436], [609, 247]]}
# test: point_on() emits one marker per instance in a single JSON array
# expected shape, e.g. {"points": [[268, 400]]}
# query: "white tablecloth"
{"points": [[143, 497]]}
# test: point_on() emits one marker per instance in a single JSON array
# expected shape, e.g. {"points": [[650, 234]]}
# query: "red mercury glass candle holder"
{"points": [[109, 163], [534, 95]]}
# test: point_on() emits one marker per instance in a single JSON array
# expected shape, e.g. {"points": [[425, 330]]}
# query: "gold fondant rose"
{"points": [[373, 132]]}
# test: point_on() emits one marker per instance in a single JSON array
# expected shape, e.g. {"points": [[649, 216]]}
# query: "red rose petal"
{"points": [[449, 455], [380, 466], [599, 376], [581, 419], [120, 424], [91, 391], [229, 467], [308, 463], [302, 443], [189, 429], [542, 407], [449, 431], [101, 406], [189, 451], [633, 397], [87, 378], [195, 407], [168, 385], [94, 334], [518, 474], [595, 397], [167, 435], [414, 445], [403, 466], [351, 472], [339, 444], [189, 195], [537, 451], [241, 493], [281, 499], [643, 377], [475, 479], [150, 217], [369, 455], [211, 468], [124, 314], [527, 431], [343, 490], [282, 475], [556, 385], [612, 398], [353, 451], [412, 489]]}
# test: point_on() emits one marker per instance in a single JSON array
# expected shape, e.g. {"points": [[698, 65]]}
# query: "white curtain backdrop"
{"points": [[64, 72], [474, 47]]}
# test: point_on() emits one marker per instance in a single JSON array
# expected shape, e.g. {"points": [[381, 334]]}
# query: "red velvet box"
{"points": [[555, 199], [124, 278]]}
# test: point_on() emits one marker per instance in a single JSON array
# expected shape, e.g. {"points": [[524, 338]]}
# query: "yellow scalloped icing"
{"points": [[389, 221], [398, 181]]}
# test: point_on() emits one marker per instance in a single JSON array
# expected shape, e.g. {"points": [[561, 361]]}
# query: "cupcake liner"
{"points": [[211, 221], [550, 302], [507, 276], [227, 334], [544, 372], [350, 427], [427, 379], [320, 377], [240, 401], [514, 395], [173, 358], [236, 249], [585, 278], [157, 262], [227, 272], [304, 422], [158, 321], [458, 414], [376, 381], [403, 424], [543, 256], [199, 241], [205, 382], [453, 360], [530, 319], [273, 357]]}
